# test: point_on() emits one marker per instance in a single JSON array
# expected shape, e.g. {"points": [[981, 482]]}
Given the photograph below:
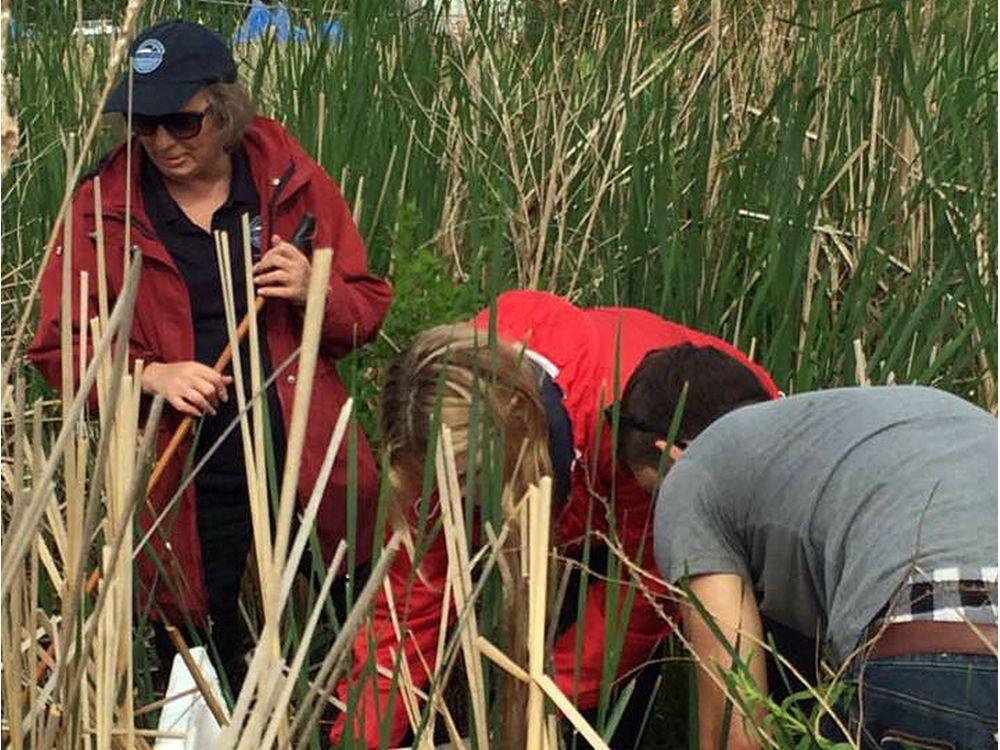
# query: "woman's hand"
{"points": [[190, 387], [283, 272]]}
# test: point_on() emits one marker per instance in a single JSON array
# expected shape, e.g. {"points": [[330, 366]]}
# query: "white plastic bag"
{"points": [[190, 714]]}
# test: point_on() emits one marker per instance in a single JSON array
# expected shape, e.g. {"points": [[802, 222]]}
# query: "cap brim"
{"points": [[149, 98]]}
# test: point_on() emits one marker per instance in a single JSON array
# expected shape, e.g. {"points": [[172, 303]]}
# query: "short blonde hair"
{"points": [[232, 106]]}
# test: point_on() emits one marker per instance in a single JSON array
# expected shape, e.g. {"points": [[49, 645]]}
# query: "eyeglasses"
{"points": [[180, 125]]}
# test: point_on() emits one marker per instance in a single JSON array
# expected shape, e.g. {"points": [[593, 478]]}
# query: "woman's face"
{"points": [[186, 159]]}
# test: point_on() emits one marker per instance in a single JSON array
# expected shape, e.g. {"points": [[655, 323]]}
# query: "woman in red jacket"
{"points": [[200, 162], [562, 367]]}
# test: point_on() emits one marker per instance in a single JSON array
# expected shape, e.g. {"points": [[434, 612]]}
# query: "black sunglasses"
{"points": [[180, 125]]}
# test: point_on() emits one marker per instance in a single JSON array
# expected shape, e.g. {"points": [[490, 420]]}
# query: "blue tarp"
{"points": [[263, 19]]}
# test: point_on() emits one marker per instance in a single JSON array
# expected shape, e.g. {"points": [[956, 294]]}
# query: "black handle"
{"points": [[304, 232]]}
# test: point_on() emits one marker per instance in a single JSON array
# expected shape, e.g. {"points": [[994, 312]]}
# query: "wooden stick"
{"points": [[185, 426], [199, 679]]}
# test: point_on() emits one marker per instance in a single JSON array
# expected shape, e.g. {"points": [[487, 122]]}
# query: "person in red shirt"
{"points": [[547, 387], [201, 161]]}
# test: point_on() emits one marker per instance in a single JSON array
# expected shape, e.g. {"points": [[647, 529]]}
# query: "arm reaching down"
{"points": [[729, 600]]}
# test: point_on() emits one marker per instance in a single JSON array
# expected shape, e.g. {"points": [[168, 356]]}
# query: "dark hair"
{"points": [[717, 384]]}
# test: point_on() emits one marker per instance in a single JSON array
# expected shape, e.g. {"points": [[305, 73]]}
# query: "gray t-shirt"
{"points": [[827, 500]]}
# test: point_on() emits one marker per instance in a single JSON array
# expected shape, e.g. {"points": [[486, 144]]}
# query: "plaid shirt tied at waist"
{"points": [[944, 595]]}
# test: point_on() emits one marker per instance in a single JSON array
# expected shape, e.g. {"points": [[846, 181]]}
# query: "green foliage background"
{"points": [[794, 177]]}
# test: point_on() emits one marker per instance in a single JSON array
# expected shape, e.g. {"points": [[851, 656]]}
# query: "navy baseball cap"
{"points": [[170, 63]]}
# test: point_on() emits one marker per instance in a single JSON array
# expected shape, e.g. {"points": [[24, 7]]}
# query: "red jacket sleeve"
{"points": [[418, 599], [45, 351], [357, 300]]}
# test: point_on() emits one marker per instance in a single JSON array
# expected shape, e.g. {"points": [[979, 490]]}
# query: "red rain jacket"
{"points": [[288, 183], [580, 348]]}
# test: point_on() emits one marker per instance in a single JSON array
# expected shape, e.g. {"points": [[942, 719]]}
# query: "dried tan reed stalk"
{"points": [[23, 528], [262, 676], [539, 514], [253, 447], [272, 621], [260, 511], [312, 321], [565, 705], [860, 364], [279, 709], [102, 647], [102, 263], [501, 659], [74, 514], [408, 690], [461, 582]]}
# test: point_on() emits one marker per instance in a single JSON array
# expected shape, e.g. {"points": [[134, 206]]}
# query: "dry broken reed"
{"points": [[83, 648]]}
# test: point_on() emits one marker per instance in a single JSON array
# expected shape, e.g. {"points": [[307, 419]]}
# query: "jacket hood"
{"points": [[562, 334]]}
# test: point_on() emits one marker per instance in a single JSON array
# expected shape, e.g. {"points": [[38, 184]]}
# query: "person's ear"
{"points": [[675, 451]]}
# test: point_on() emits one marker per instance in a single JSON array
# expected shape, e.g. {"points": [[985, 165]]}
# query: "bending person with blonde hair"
{"points": [[536, 404]]}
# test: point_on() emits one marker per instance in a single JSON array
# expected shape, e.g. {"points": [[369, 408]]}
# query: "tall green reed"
{"points": [[794, 177]]}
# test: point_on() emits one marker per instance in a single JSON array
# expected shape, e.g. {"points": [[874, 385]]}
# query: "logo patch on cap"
{"points": [[148, 56]]}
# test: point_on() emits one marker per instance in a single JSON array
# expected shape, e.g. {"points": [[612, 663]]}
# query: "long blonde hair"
{"points": [[445, 374]]}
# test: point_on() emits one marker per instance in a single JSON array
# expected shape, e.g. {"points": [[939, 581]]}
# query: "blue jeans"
{"points": [[926, 701]]}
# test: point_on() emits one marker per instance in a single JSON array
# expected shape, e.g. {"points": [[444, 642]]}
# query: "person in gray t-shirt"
{"points": [[830, 513], [829, 501]]}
